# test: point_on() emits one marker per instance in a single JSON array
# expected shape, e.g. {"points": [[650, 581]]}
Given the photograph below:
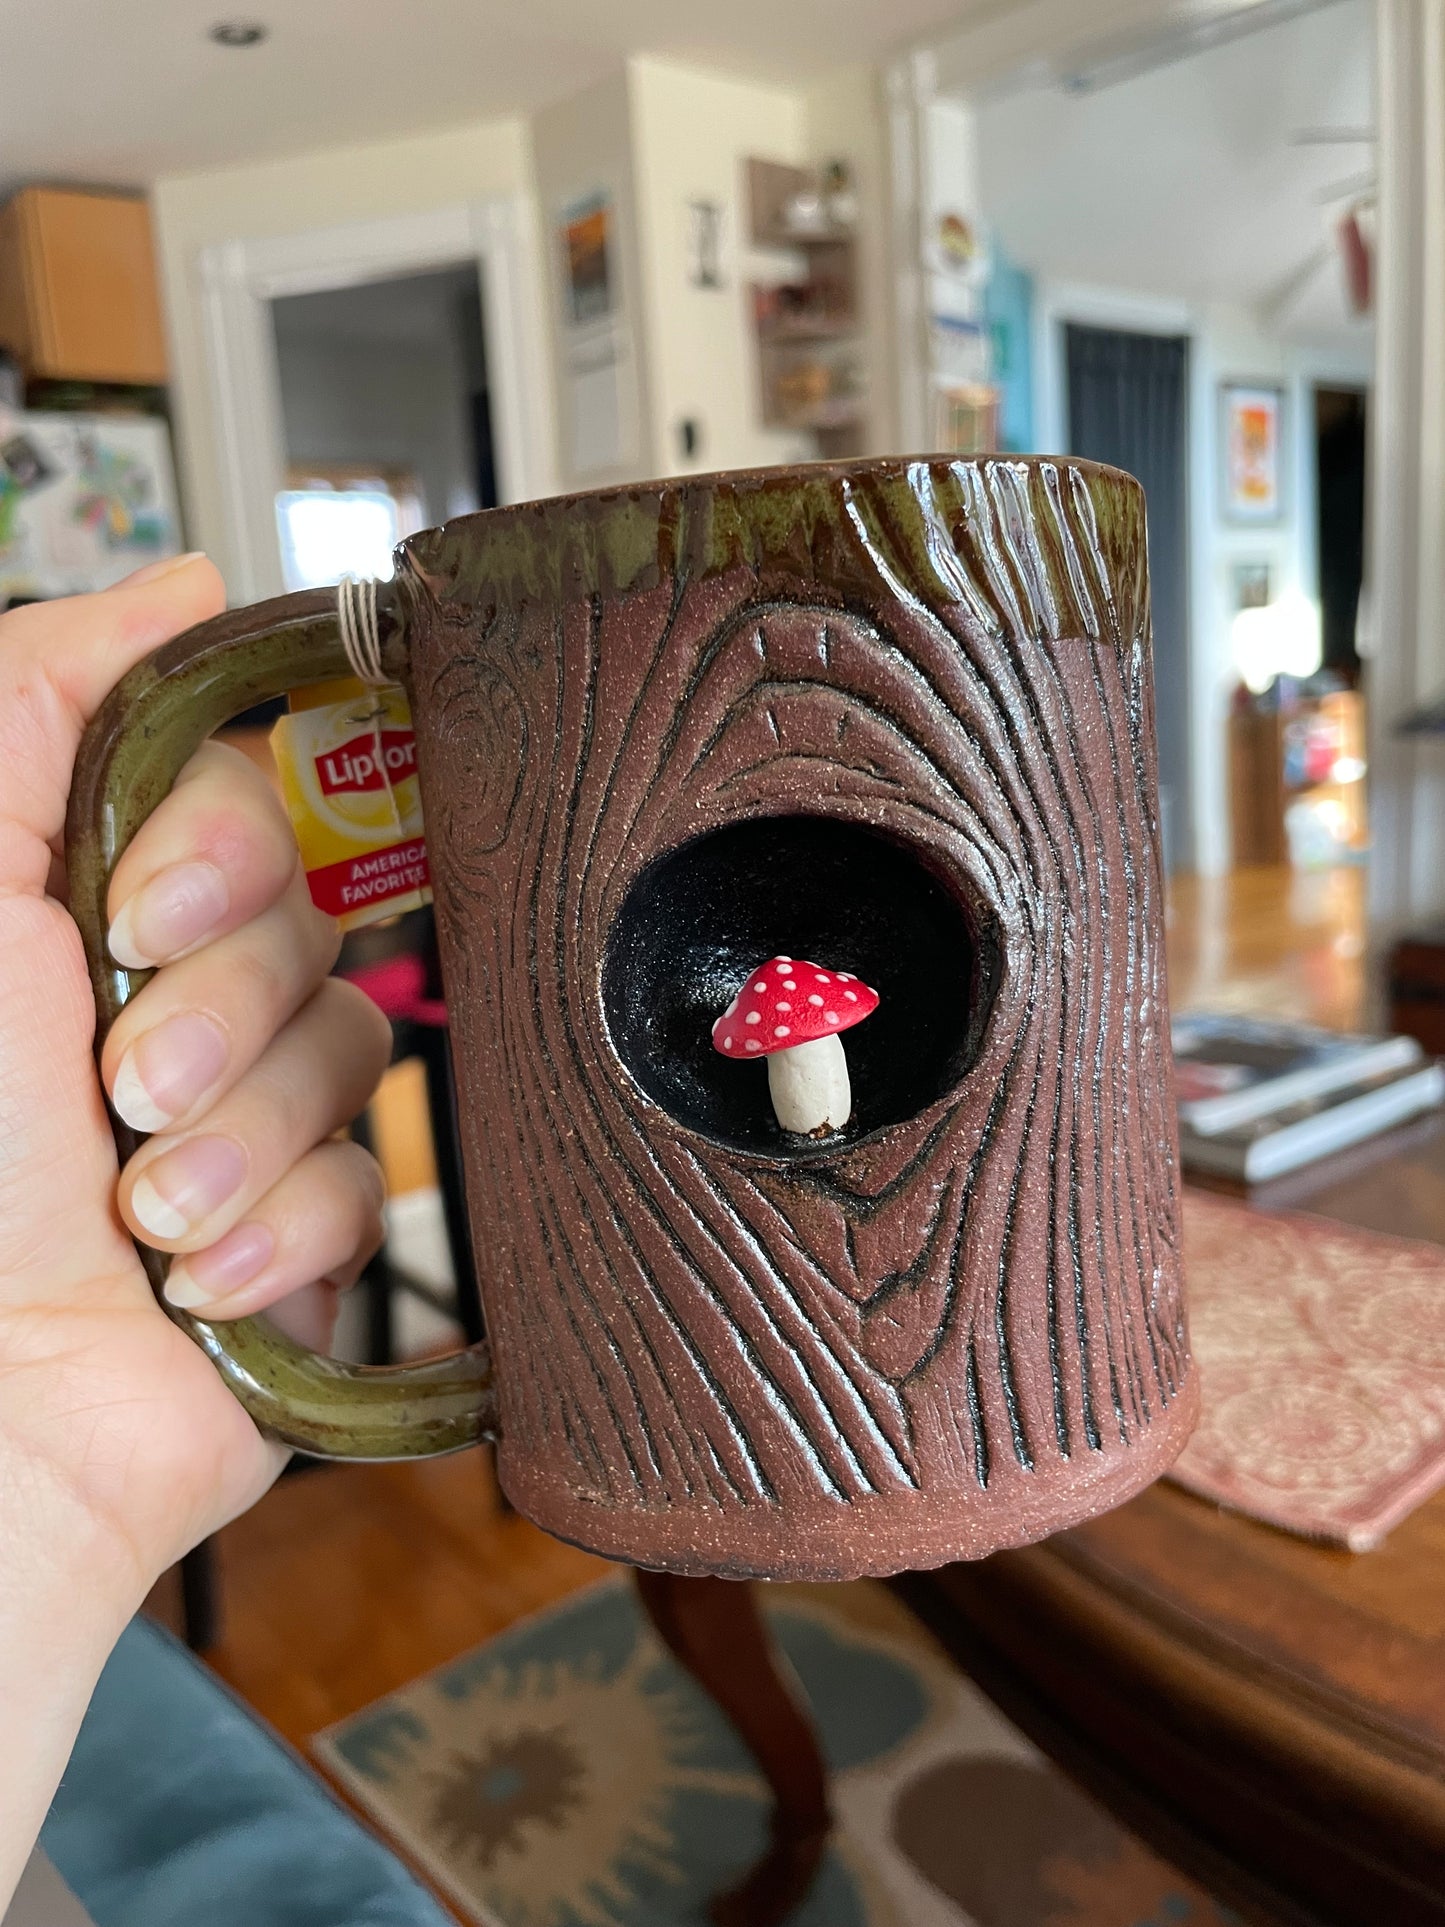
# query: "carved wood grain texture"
{"points": [[967, 1330]]}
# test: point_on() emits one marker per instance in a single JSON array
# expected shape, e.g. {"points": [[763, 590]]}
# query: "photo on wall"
{"points": [[1252, 585], [585, 233], [1251, 445]]}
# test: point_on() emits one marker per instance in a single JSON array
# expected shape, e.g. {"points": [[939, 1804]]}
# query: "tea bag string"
{"points": [[360, 630], [361, 639]]}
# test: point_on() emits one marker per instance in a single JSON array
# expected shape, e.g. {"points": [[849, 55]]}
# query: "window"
{"points": [[342, 522]]}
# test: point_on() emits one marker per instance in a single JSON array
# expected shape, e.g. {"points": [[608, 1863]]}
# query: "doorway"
{"points": [[1128, 405], [245, 280], [1341, 432], [385, 419]]}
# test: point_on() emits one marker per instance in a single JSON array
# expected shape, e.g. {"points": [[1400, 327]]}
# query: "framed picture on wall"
{"points": [[1251, 450], [1252, 585], [585, 233]]}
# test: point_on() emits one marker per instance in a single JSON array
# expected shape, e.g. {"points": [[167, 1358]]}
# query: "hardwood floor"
{"points": [[346, 1581]]}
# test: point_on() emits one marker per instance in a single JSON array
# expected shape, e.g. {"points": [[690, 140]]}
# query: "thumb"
{"points": [[58, 663], [89, 642]]}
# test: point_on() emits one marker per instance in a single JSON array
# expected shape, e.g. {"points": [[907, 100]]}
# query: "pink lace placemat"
{"points": [[1322, 1359]]}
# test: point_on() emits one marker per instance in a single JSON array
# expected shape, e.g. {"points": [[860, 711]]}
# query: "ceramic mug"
{"points": [[894, 717]]}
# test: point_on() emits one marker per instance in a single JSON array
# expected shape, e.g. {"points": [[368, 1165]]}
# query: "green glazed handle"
{"points": [[148, 727]]}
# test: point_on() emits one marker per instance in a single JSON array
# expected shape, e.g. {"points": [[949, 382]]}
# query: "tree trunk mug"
{"points": [[894, 717]]}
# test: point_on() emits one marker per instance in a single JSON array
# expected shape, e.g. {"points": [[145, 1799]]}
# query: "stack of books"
{"points": [[1258, 1098]]}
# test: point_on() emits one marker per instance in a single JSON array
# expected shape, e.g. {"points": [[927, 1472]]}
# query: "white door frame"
{"points": [[909, 87], [240, 278]]}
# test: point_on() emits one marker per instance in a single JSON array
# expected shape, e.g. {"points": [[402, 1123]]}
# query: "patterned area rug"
{"points": [[568, 1774], [1321, 1353]]}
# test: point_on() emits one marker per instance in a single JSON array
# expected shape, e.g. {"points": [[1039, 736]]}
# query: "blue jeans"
{"points": [[180, 1809]]}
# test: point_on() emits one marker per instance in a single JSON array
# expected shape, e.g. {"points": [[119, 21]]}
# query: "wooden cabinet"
{"points": [[1417, 987], [78, 293], [1304, 760]]}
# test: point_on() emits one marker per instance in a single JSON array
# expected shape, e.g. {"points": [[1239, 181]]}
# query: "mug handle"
{"points": [[144, 733]]}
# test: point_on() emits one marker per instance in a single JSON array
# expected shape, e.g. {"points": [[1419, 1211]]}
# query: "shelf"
{"points": [[842, 414], [772, 188], [782, 237], [809, 332], [774, 332]]}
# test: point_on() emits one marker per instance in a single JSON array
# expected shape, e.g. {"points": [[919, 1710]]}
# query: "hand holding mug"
{"points": [[120, 1447], [240, 1055]]}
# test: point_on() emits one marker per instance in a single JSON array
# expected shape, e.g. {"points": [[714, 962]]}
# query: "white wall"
{"points": [[950, 163], [582, 146], [691, 134], [487, 161], [653, 136], [1225, 344]]}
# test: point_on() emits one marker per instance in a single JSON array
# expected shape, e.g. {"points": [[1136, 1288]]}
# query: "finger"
{"points": [[181, 1192], [198, 1026], [309, 1315], [321, 1221], [58, 662], [214, 853]]}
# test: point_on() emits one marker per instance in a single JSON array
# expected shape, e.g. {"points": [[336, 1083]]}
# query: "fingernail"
{"points": [[153, 571], [169, 914], [222, 1268], [182, 1189], [168, 1070]]}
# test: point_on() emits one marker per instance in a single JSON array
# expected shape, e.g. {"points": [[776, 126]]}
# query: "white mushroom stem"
{"points": [[809, 1086]]}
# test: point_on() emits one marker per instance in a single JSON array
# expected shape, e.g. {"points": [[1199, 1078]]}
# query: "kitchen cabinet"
{"points": [[79, 299]]}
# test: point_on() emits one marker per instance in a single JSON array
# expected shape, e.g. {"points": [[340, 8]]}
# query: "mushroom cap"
{"points": [[787, 1001]]}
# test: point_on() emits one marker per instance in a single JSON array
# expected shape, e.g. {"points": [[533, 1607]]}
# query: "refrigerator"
{"points": [[84, 500]]}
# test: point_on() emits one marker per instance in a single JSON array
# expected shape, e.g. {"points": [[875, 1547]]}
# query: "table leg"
{"points": [[200, 1597], [714, 1629]]}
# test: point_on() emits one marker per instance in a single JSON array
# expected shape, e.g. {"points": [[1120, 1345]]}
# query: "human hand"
{"points": [[119, 1446]]}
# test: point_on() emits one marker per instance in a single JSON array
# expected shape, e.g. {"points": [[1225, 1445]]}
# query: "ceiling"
{"points": [[93, 90], [1184, 181]]}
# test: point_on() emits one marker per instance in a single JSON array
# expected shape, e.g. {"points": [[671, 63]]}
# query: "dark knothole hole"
{"points": [[700, 918]]}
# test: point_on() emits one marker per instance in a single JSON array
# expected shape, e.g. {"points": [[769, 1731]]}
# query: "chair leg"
{"points": [[441, 1091], [380, 1312], [435, 1043], [446, 1146], [714, 1629], [376, 1280], [200, 1597]]}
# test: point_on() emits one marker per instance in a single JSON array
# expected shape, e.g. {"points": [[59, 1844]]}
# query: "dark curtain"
{"points": [[1129, 406]]}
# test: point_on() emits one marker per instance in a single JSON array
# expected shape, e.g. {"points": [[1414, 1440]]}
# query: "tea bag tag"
{"points": [[347, 759]]}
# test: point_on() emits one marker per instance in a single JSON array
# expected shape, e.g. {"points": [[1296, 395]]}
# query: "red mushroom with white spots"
{"points": [[792, 1013]]}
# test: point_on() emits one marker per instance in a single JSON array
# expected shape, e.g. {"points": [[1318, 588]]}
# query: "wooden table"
{"points": [[1269, 1713]]}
